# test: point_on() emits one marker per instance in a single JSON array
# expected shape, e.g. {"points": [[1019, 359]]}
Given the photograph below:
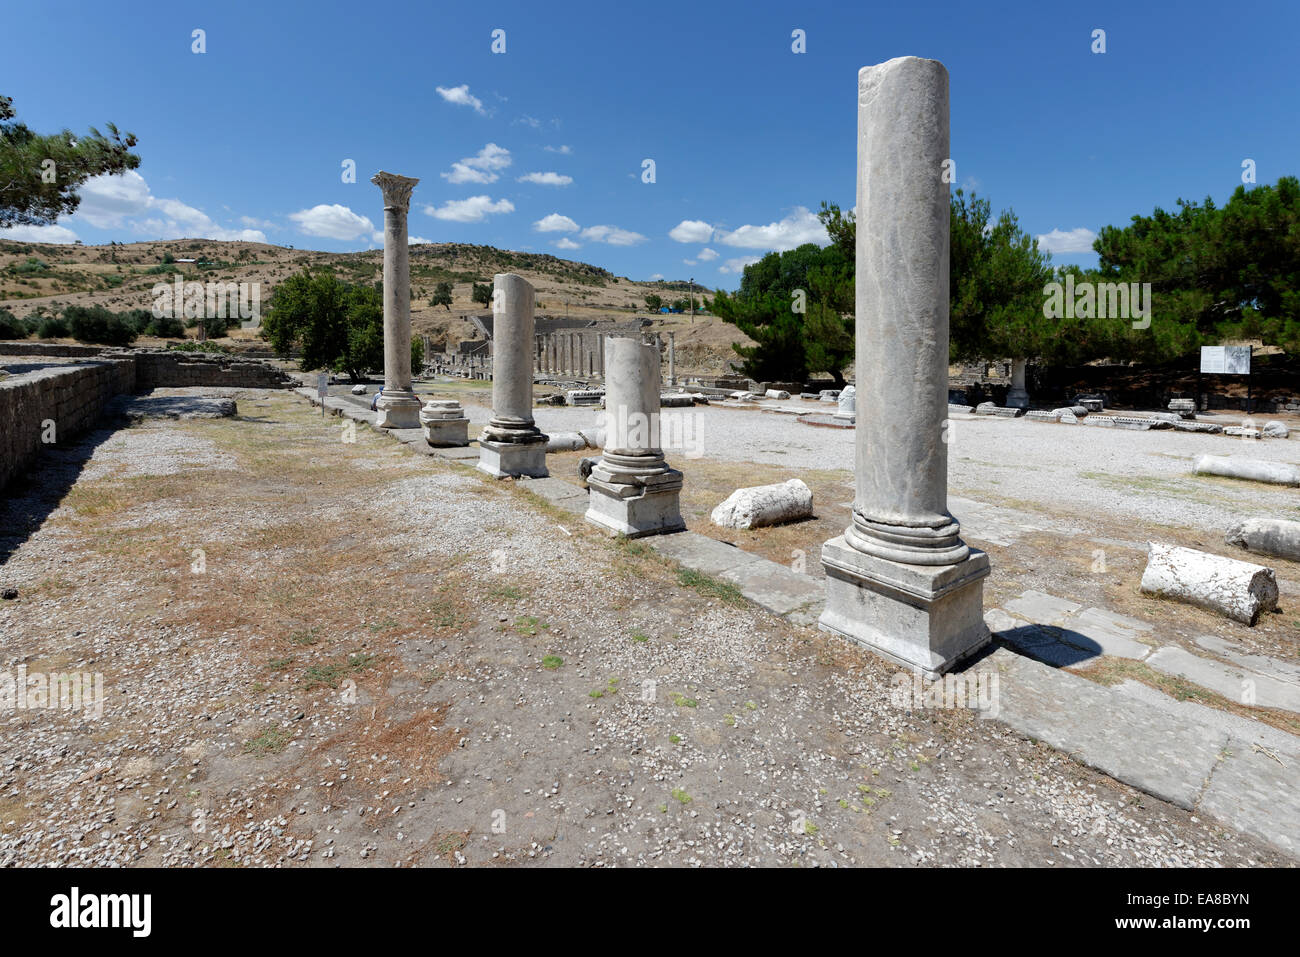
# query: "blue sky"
{"points": [[247, 140]]}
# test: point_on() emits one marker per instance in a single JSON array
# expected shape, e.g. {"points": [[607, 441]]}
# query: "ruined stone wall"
{"points": [[56, 349], [169, 369], [73, 396], [62, 401]]}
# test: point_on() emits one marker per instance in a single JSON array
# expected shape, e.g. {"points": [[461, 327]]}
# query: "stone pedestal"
{"points": [[398, 407], [1018, 395], [900, 580], [511, 445], [632, 490], [445, 423], [927, 617]]}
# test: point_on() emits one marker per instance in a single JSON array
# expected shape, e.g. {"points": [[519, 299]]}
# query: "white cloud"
{"points": [[738, 265], [115, 202], [706, 255], [39, 234], [801, 226], [546, 179], [334, 222], [555, 223], [691, 231], [472, 210], [255, 222], [1067, 240], [564, 242], [657, 275], [481, 167], [461, 96], [417, 240], [565, 149], [532, 121], [460, 173], [612, 235]]}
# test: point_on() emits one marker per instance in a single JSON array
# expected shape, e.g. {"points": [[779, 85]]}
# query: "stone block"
{"points": [[1238, 590], [764, 505], [928, 617]]}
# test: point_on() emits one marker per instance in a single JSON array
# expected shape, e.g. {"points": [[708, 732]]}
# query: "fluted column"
{"points": [[398, 407], [900, 579]]}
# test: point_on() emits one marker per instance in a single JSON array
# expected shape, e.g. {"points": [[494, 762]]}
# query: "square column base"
{"points": [[924, 617], [513, 459], [397, 412], [447, 433], [636, 510]]}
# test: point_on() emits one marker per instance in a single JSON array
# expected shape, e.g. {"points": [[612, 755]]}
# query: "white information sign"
{"points": [[1225, 360]]}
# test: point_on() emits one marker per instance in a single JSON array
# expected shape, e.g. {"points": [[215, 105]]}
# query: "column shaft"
{"points": [[900, 508]]}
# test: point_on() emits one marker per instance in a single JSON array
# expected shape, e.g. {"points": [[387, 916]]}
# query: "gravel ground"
{"points": [[1065, 470], [518, 687]]}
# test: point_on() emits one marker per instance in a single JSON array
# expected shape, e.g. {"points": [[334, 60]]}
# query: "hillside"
{"points": [[122, 276]]}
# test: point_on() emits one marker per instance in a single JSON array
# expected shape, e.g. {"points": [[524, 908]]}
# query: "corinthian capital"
{"points": [[397, 189]]}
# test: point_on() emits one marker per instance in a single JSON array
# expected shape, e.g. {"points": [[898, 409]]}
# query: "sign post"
{"points": [[322, 390], [1225, 360]]}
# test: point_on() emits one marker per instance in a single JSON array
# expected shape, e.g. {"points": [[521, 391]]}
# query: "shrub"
{"points": [[165, 327], [52, 327], [33, 267], [216, 327], [100, 326], [11, 327], [189, 345]]}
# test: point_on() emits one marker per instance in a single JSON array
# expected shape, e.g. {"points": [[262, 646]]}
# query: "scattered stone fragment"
{"points": [[1273, 429], [847, 403], [1267, 536], [764, 505], [1238, 590], [1257, 470]]}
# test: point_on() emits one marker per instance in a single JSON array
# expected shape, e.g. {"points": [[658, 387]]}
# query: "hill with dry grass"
{"points": [[35, 276]]}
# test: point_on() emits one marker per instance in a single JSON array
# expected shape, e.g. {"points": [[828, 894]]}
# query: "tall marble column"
{"points": [[398, 407], [511, 445], [632, 490], [900, 580], [672, 358]]}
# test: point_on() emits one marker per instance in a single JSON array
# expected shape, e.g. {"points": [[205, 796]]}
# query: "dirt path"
{"points": [[324, 652]]}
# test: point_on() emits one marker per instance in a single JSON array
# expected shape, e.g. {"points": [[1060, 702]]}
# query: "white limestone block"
{"points": [[358, 390], [1238, 590], [764, 505], [776, 394], [565, 442], [847, 403], [1267, 536], [1257, 470], [1273, 429]]}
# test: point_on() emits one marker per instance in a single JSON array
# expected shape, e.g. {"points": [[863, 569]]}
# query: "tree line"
{"points": [[1213, 273]]}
